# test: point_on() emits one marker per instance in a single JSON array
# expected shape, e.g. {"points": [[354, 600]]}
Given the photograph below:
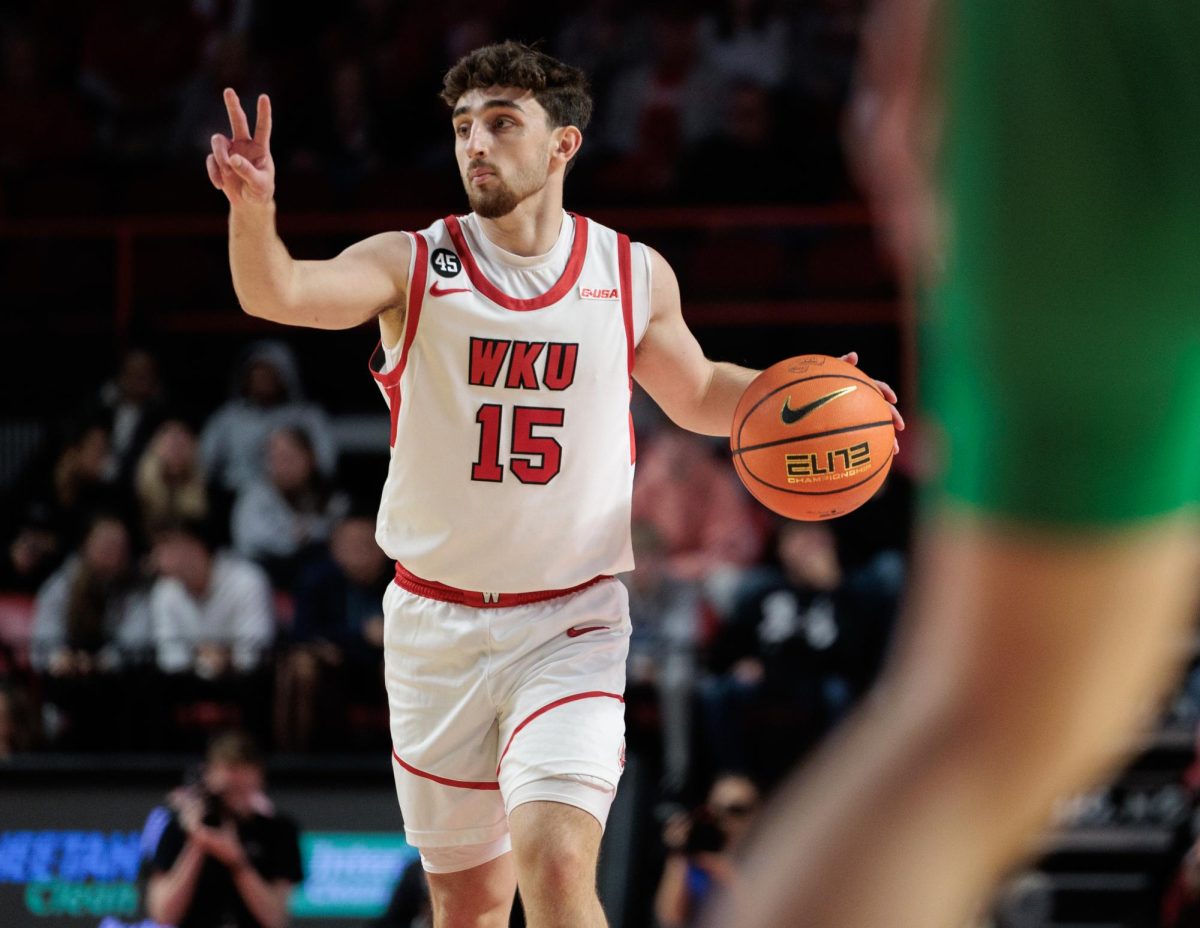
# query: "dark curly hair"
{"points": [[561, 90]]}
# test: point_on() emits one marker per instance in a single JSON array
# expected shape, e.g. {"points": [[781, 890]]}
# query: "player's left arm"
{"points": [[698, 394]]}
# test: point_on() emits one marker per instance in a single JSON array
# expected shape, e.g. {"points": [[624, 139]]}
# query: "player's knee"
{"points": [[556, 840], [556, 869]]}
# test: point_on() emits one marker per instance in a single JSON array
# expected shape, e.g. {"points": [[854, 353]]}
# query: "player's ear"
{"points": [[567, 140]]}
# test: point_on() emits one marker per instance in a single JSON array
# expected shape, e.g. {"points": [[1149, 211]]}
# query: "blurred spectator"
{"points": [[34, 552], [81, 472], [53, 505], [226, 63], [91, 615], [744, 161], [211, 611], [267, 396], [349, 150], [137, 56], [658, 107], [18, 729], [597, 39], [824, 53], [668, 617], [747, 40], [132, 406], [225, 858], [702, 848], [169, 483], [696, 504], [82, 485], [338, 635], [91, 624], [280, 520], [52, 128], [1179, 885], [803, 643]]}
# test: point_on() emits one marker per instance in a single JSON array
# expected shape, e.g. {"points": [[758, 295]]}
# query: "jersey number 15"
{"points": [[532, 458]]}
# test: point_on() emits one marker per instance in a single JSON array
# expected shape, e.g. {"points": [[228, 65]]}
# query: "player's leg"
{"points": [[1029, 662], [444, 743], [556, 847], [478, 897], [562, 736]]}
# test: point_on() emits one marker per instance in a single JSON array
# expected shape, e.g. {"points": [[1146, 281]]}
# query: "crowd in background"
{"points": [[187, 575], [118, 99], [175, 562]]}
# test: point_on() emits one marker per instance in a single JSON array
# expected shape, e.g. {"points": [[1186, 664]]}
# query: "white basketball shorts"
{"points": [[486, 702]]}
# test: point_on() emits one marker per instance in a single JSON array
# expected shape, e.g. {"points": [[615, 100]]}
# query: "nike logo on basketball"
{"points": [[438, 290], [792, 416], [576, 632]]}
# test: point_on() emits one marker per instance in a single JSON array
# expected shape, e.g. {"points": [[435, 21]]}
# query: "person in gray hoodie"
{"points": [[266, 396]]}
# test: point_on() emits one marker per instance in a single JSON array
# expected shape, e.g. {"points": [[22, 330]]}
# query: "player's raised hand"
{"points": [[241, 166]]}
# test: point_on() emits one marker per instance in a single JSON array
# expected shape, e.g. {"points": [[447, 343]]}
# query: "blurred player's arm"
{"points": [[169, 894], [895, 125], [178, 859], [267, 900], [698, 394], [366, 280]]}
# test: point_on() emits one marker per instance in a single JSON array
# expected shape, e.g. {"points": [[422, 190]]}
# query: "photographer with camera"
{"points": [[225, 859], [702, 849]]}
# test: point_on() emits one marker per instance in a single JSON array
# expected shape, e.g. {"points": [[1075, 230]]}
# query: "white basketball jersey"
{"points": [[512, 448]]}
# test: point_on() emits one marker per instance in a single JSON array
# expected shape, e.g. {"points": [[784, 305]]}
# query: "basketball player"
{"points": [[1057, 568], [510, 337]]}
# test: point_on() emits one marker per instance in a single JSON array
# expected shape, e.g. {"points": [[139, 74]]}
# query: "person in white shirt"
{"points": [[211, 611]]}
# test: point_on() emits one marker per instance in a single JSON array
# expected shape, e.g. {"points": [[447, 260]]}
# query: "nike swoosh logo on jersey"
{"points": [[438, 290], [576, 632], [792, 416]]}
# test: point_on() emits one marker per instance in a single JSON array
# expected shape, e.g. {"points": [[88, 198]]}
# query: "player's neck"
{"points": [[531, 229]]}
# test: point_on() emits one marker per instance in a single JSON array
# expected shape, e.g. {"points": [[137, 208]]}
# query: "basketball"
{"points": [[812, 438]]}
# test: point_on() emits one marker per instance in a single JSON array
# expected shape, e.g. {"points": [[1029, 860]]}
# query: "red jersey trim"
{"points": [[445, 781], [431, 589], [594, 694], [416, 296], [390, 381], [560, 289], [625, 274]]}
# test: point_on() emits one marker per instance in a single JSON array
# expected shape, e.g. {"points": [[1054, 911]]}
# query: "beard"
{"points": [[500, 198]]}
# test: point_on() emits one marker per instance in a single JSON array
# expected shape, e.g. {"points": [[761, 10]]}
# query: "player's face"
{"points": [[503, 143]]}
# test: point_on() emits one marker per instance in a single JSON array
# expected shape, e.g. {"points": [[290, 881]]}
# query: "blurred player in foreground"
{"points": [[1055, 239]]}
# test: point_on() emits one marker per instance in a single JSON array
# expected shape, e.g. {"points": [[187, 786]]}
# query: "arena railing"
{"points": [[124, 236]]}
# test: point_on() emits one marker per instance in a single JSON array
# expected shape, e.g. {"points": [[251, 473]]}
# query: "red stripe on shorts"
{"points": [[445, 781], [554, 705]]}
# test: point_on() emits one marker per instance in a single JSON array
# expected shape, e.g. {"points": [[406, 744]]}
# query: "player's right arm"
{"points": [[172, 885], [366, 280]]}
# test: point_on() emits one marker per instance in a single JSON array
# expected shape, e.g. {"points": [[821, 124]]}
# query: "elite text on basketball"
{"points": [[807, 468]]}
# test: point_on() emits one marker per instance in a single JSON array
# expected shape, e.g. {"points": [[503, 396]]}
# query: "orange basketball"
{"points": [[812, 438]]}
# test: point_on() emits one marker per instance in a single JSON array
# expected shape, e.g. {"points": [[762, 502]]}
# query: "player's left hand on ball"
{"points": [[888, 394]]}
